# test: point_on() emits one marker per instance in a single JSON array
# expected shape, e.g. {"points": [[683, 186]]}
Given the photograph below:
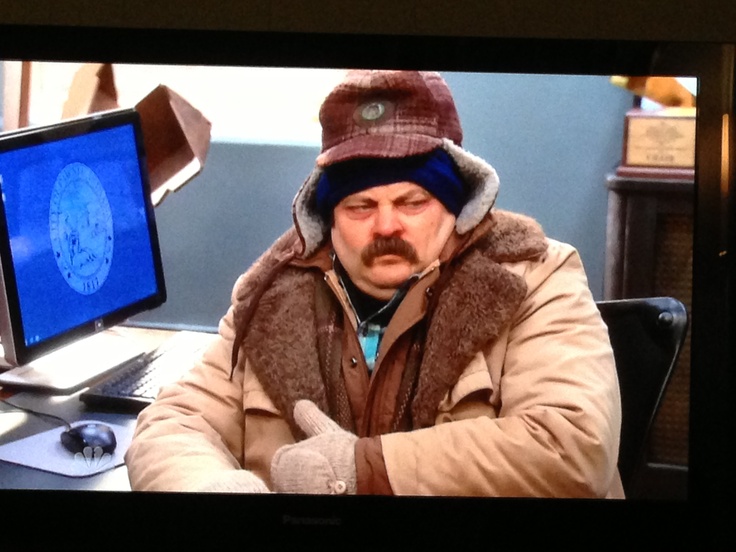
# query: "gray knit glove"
{"points": [[324, 463]]}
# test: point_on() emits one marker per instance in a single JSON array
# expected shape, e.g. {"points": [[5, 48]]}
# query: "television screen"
{"points": [[369, 522]]}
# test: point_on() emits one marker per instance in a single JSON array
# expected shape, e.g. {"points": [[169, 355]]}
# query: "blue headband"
{"points": [[435, 172]]}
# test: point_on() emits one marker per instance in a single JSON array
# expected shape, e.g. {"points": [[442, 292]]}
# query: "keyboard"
{"points": [[136, 383]]}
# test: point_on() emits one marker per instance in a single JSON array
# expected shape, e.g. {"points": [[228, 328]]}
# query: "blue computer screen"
{"points": [[78, 231]]}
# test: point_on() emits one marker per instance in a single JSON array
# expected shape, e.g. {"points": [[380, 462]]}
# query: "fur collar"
{"points": [[472, 308]]}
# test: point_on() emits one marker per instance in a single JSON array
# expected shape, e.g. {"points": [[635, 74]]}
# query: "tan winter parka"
{"points": [[534, 412]]}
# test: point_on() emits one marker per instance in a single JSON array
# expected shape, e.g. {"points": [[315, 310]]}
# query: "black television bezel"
{"points": [[15, 347], [703, 521]]}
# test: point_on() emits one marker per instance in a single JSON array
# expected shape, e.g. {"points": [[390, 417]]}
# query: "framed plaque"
{"points": [[659, 144]]}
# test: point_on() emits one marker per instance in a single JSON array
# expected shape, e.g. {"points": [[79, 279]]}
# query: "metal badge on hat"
{"points": [[373, 112]]}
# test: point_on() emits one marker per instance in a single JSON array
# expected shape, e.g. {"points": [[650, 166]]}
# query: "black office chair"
{"points": [[647, 335]]}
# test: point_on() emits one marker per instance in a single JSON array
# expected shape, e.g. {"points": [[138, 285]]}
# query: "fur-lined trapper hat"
{"points": [[391, 115]]}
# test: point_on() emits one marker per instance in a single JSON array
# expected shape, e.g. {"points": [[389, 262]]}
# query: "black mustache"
{"points": [[391, 245]]}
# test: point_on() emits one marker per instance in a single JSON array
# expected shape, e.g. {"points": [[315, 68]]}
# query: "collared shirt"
{"points": [[373, 315]]}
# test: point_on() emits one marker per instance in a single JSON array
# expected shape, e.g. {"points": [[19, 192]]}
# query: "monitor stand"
{"points": [[76, 365]]}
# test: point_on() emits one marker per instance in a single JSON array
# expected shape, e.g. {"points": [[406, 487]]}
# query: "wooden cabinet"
{"points": [[649, 236], [646, 220]]}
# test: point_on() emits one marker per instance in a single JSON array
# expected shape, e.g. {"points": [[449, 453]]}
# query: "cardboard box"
{"points": [[92, 89], [176, 135]]}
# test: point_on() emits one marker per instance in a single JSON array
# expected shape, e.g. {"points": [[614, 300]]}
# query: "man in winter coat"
{"points": [[404, 337]]}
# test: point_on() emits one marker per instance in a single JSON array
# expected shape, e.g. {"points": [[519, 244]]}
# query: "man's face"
{"points": [[385, 234]]}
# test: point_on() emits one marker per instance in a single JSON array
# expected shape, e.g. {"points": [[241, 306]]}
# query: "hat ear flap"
{"points": [[312, 228], [482, 181]]}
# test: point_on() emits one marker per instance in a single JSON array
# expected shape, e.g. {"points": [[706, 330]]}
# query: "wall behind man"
{"points": [[552, 140]]}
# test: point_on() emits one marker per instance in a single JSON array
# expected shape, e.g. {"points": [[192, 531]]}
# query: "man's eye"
{"points": [[415, 203], [359, 208]]}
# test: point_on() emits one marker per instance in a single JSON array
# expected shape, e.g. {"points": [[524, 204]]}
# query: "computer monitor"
{"points": [[79, 250]]}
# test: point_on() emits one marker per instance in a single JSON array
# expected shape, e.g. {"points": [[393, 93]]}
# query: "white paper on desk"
{"points": [[45, 452]]}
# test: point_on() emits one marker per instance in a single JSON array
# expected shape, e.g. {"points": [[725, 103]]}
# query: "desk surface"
{"points": [[18, 425]]}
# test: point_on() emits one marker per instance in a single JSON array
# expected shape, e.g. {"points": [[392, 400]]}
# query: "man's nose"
{"points": [[387, 221]]}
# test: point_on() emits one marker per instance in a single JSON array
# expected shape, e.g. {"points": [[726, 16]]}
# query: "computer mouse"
{"points": [[89, 434]]}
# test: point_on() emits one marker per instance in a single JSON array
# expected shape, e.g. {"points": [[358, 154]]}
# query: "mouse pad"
{"points": [[45, 452]]}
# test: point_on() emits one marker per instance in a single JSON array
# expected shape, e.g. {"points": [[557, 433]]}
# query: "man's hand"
{"points": [[324, 463]]}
